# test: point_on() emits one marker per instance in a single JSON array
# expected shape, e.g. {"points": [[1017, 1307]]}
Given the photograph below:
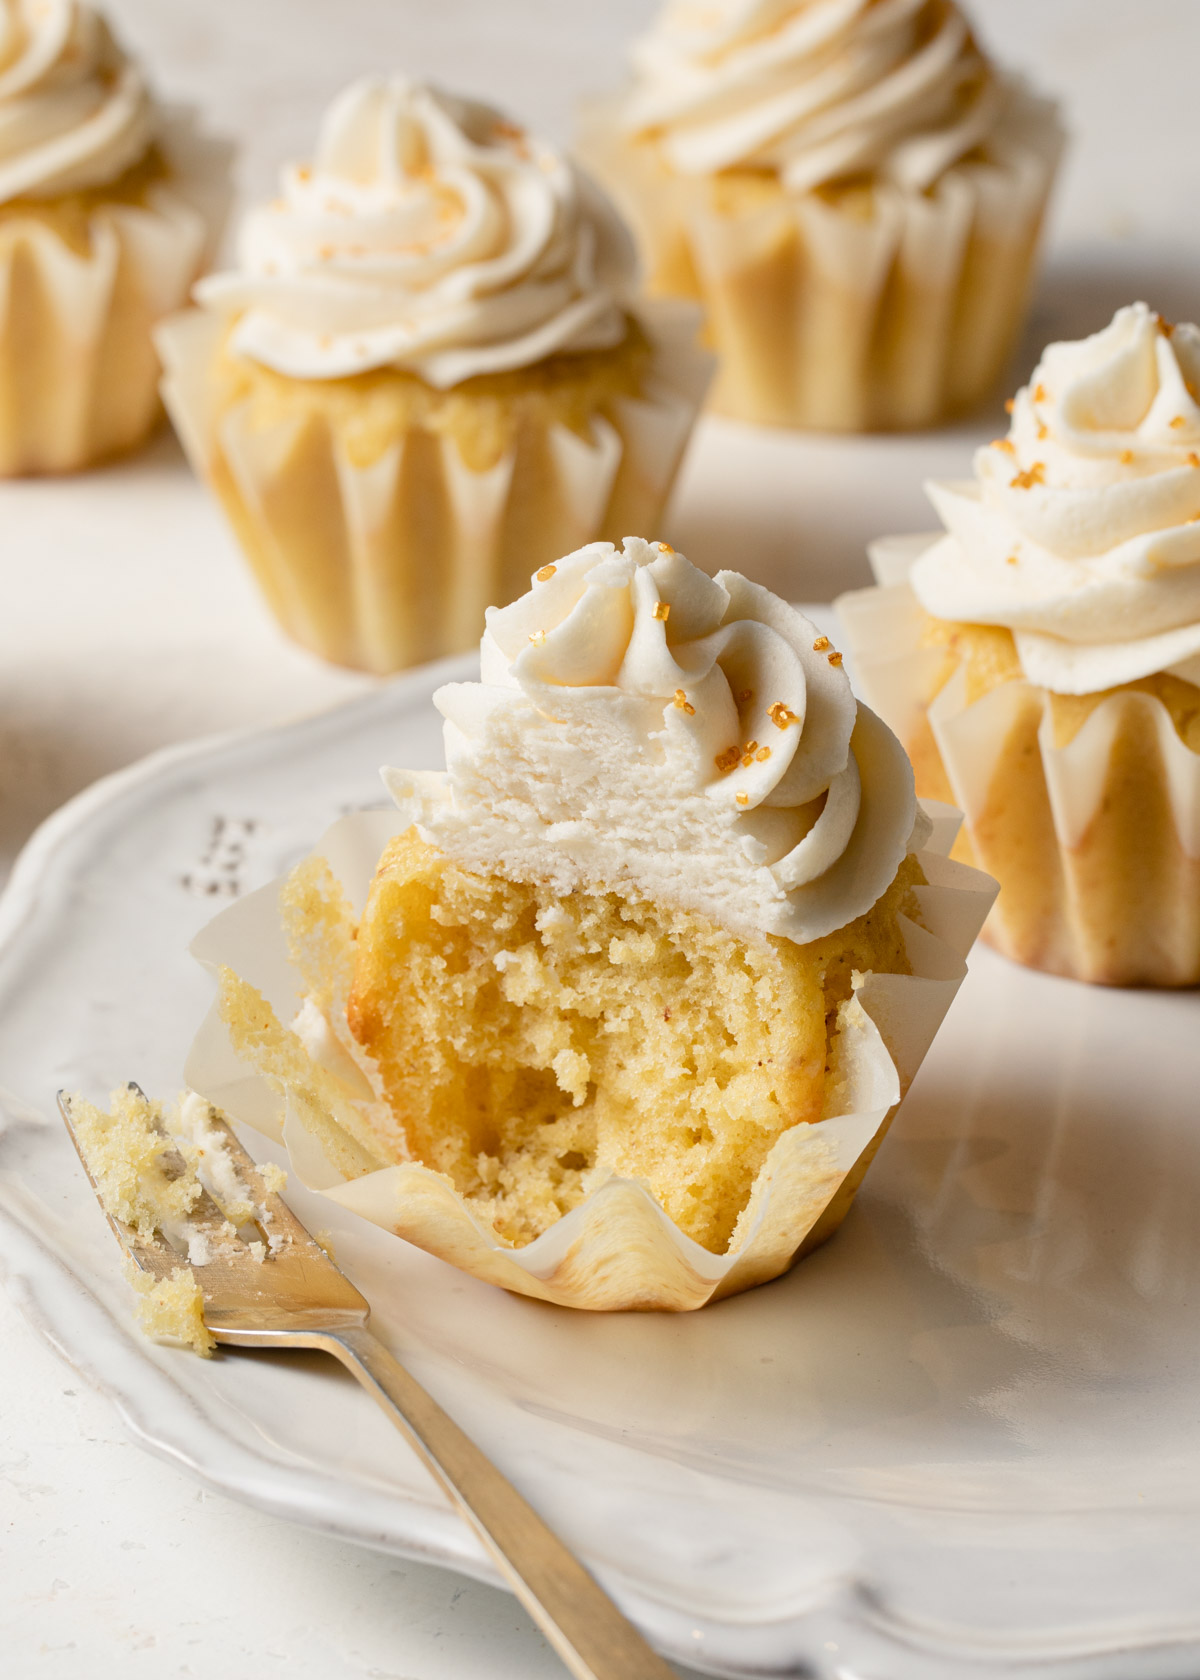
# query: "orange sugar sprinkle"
{"points": [[1177, 422], [763, 754], [304, 173], [662, 610], [1039, 392], [1193, 459], [1165, 327], [1026, 480], [1009, 405], [748, 752], [546, 573], [745, 696], [726, 760], [822, 644], [664, 548], [683, 704], [834, 658], [1042, 431], [781, 715], [1126, 457], [743, 799], [1012, 560], [537, 637], [1007, 444]]}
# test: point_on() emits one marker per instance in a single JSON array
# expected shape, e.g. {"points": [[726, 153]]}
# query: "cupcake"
{"points": [[101, 235], [1041, 659], [639, 979], [850, 188], [427, 374]]}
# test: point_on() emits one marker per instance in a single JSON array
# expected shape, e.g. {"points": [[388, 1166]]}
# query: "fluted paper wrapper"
{"points": [[78, 369], [617, 1250], [830, 315], [393, 563], [1095, 844]]}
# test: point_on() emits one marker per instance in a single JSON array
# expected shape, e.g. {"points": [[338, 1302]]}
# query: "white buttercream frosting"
{"points": [[74, 111], [815, 90], [1081, 530], [642, 726], [428, 234]]}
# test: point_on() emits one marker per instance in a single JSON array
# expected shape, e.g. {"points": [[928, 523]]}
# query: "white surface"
{"points": [[958, 1443], [127, 622]]}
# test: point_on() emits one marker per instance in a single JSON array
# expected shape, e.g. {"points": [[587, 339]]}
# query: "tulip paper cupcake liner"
{"points": [[1095, 839], [864, 308], [384, 559], [318, 1092], [80, 294]]}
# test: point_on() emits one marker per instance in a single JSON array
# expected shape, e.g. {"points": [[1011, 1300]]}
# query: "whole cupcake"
{"points": [[850, 188], [1042, 659], [428, 371], [101, 235], [641, 976]]}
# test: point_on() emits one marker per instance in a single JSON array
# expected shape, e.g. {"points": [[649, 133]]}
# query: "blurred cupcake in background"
{"points": [[427, 377], [851, 189], [1040, 659], [105, 201]]}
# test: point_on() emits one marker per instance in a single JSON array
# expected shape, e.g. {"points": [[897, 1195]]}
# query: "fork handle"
{"points": [[582, 1623]]}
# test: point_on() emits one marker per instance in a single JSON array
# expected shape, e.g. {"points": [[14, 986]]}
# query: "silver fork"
{"points": [[297, 1298]]}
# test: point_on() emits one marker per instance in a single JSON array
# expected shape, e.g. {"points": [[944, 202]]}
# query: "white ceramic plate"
{"points": [[961, 1440]]}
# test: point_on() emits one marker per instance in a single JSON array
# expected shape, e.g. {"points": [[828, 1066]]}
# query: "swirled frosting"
{"points": [[814, 89], [429, 234], [1081, 531], [642, 726], [74, 111]]}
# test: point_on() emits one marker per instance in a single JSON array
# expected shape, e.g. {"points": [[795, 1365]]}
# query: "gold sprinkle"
{"points": [[1126, 457], [1165, 327], [835, 658], [546, 573], [1009, 405], [726, 760], [1193, 459], [1012, 560], [1026, 480], [537, 637], [748, 752], [745, 697], [1178, 421], [1039, 393], [1042, 431], [781, 715], [662, 610], [1007, 444], [763, 754], [822, 644], [325, 252], [664, 548], [304, 173], [743, 799], [682, 703]]}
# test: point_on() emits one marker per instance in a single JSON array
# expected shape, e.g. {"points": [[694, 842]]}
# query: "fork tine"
{"points": [[152, 1254], [268, 1201]]}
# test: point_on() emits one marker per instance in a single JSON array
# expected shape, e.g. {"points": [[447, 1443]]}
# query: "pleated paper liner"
{"points": [[617, 1250], [79, 372], [387, 563], [1095, 843], [868, 309]]}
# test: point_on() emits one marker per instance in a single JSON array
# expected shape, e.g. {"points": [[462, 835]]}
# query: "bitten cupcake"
{"points": [[428, 370], [641, 976], [1042, 660], [851, 189], [101, 235]]}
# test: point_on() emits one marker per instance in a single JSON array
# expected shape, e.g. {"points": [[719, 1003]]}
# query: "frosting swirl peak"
{"points": [[641, 724], [428, 234], [1081, 531], [74, 111], [816, 90]]}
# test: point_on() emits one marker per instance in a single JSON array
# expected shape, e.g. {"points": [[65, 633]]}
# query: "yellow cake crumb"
{"points": [[530, 1045], [171, 1308]]}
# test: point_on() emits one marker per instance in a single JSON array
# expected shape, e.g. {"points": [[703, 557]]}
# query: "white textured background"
{"points": [[126, 623]]}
